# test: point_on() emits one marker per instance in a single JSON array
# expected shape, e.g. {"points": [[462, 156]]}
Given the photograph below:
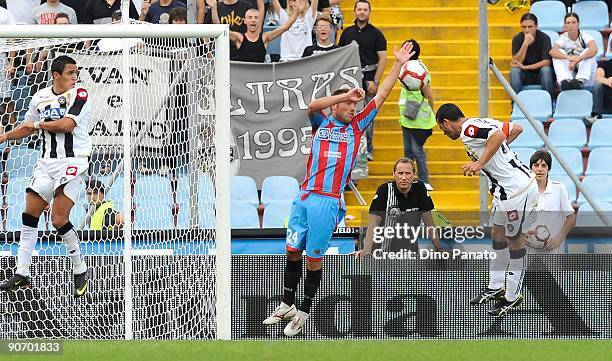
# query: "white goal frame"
{"points": [[220, 33]]}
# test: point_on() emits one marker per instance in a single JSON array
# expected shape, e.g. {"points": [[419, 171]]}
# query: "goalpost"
{"points": [[160, 127]]}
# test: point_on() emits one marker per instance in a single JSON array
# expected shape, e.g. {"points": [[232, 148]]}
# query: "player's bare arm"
{"points": [[492, 145], [369, 238], [401, 57], [23, 130], [63, 125], [353, 95], [516, 130]]}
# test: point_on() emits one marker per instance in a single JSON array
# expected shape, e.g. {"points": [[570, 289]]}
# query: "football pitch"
{"points": [[456, 350]]}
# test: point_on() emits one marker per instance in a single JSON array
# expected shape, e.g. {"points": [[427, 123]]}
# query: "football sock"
{"points": [[311, 285], [293, 273], [27, 242], [515, 274], [498, 265], [71, 240]]}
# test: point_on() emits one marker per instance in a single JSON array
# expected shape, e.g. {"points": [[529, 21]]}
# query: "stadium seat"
{"points": [[568, 133], [275, 45], [593, 14], [244, 189], [275, 214], [550, 14], [598, 163], [244, 215], [206, 189], [78, 214], [553, 35], [598, 186], [588, 218], [152, 189], [523, 153], [538, 104], [206, 216], [573, 104], [279, 189], [569, 185], [601, 134], [115, 193], [573, 158], [21, 161], [15, 190], [609, 52], [598, 40], [154, 216], [13, 217], [529, 137]]}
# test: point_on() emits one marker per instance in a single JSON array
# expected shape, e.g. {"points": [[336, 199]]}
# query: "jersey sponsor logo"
{"points": [[71, 170], [513, 215], [333, 136], [82, 94], [330, 154], [53, 113]]}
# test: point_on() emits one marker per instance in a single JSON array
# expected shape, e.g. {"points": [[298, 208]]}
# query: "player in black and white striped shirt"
{"points": [[61, 114]]}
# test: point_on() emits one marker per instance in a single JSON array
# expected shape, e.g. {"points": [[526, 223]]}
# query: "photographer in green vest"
{"points": [[105, 216], [417, 117]]}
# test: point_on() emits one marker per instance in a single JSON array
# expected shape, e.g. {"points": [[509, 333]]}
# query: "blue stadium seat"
{"points": [[275, 45], [538, 103], [279, 189], [593, 14], [21, 161], [78, 214], [154, 216], [573, 158], [15, 190], [529, 137], [21, 97], [598, 40], [553, 35], [152, 189], [601, 134], [275, 214], [206, 216], [569, 185], [573, 104], [244, 189], [609, 52], [598, 163], [13, 217], [115, 193], [568, 133], [523, 153], [588, 218], [244, 215], [598, 186], [550, 14], [206, 190]]}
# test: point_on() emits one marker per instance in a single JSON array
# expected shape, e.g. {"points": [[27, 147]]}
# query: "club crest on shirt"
{"points": [[333, 136], [61, 100]]}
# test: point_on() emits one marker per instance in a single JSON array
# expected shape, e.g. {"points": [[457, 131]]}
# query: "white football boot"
{"points": [[282, 312]]}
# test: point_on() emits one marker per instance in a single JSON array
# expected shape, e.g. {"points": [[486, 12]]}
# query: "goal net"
{"points": [[158, 240]]}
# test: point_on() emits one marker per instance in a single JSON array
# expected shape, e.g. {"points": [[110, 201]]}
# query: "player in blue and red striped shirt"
{"points": [[318, 208]]}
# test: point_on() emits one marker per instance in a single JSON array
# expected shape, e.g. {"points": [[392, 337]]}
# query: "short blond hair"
{"points": [[324, 17], [404, 160]]}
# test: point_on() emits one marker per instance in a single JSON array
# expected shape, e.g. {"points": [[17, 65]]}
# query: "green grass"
{"points": [[438, 350]]}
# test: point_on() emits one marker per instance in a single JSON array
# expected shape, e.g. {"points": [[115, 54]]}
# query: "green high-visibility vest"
{"points": [[97, 219]]}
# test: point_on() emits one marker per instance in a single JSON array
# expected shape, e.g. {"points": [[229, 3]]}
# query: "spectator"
{"points": [[7, 70], [78, 6], [323, 31], [101, 11], [554, 212], [372, 52], [332, 9], [299, 36], [574, 55], [45, 13], [404, 203], [232, 12], [158, 12], [602, 91], [61, 19], [530, 56], [105, 216], [177, 16], [416, 130], [252, 45], [22, 10]]}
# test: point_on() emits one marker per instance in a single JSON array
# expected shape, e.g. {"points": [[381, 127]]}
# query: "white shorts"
{"points": [[517, 214], [51, 174]]}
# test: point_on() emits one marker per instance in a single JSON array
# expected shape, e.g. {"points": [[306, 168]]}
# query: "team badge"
{"points": [[61, 100]]}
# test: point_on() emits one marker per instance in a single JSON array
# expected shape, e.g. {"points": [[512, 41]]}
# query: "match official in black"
{"points": [[400, 204]]}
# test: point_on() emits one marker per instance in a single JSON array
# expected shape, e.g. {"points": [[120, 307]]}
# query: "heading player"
{"points": [[61, 114], [515, 193], [318, 207]]}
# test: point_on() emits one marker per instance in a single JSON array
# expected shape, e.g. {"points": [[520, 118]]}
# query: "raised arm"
{"points": [[276, 6], [353, 95], [314, 4], [273, 34], [236, 38], [200, 11], [401, 57], [214, 15]]}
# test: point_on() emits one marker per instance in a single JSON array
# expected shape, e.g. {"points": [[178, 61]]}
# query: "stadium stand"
{"points": [[599, 163], [573, 104], [598, 186], [587, 217], [553, 35], [529, 137], [609, 52], [244, 215], [279, 189], [524, 154], [598, 40], [550, 14], [573, 158], [537, 102], [593, 14], [21, 161], [244, 189], [115, 193], [568, 133], [152, 189], [151, 216], [275, 214], [601, 134]]}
